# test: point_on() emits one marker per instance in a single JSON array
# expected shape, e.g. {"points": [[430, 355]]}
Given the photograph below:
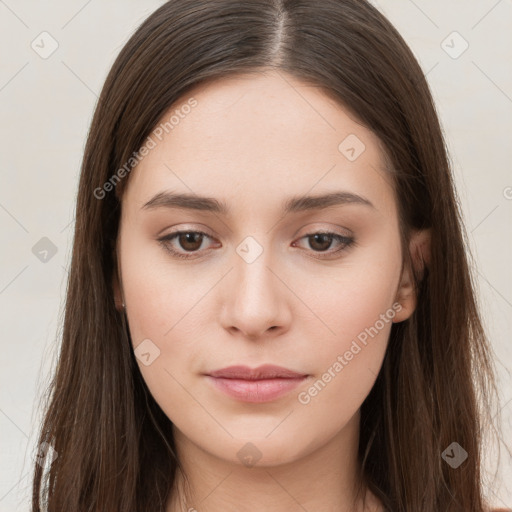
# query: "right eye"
{"points": [[189, 241]]}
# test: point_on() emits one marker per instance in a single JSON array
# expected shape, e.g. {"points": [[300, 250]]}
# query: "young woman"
{"points": [[270, 306]]}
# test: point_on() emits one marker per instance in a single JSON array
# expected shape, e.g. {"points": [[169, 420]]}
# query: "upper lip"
{"points": [[266, 371]]}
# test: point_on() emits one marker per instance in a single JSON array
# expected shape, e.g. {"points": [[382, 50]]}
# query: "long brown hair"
{"points": [[113, 444]]}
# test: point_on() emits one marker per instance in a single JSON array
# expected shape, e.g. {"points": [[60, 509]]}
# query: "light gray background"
{"points": [[46, 106]]}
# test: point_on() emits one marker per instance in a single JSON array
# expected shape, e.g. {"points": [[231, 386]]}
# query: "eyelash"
{"points": [[345, 242]]}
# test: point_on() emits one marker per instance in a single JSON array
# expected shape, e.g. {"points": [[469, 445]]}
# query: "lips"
{"points": [[267, 371], [262, 384]]}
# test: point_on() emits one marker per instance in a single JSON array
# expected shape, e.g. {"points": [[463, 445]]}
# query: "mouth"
{"points": [[262, 384]]}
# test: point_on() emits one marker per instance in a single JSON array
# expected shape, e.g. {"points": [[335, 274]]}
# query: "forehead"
{"points": [[267, 134]]}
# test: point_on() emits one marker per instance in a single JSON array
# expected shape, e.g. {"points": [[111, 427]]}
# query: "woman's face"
{"points": [[252, 162]]}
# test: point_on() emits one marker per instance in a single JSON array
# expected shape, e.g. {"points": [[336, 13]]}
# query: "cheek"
{"points": [[351, 298], [160, 296], [347, 367], [358, 306], [168, 305]]}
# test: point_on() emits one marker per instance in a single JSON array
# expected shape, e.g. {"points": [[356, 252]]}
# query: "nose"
{"points": [[256, 302]]}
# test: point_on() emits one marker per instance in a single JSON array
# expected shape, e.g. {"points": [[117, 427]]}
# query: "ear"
{"points": [[419, 251]]}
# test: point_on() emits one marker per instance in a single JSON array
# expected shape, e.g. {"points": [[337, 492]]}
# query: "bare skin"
{"points": [[252, 142]]}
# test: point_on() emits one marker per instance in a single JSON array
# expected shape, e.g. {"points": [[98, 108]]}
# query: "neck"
{"points": [[323, 479]]}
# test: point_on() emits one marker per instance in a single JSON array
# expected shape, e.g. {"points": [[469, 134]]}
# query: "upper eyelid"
{"points": [[335, 235], [314, 230], [204, 232]]}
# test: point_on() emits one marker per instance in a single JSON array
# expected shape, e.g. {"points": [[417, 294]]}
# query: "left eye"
{"points": [[321, 242], [191, 242]]}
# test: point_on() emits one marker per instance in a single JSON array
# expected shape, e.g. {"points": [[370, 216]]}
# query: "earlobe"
{"points": [[419, 250], [405, 297]]}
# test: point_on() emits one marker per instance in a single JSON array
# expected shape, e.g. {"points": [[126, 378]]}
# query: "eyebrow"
{"points": [[292, 205]]}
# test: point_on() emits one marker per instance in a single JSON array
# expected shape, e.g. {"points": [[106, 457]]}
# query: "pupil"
{"points": [[321, 237], [189, 241]]}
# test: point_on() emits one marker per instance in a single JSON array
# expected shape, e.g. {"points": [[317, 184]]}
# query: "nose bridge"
{"points": [[255, 301], [254, 279]]}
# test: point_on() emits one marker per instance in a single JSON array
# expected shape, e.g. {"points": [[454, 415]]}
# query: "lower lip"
{"points": [[256, 391]]}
